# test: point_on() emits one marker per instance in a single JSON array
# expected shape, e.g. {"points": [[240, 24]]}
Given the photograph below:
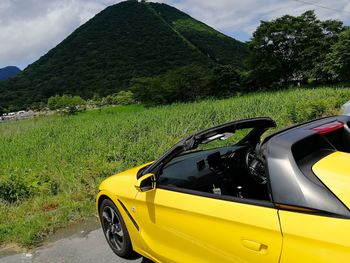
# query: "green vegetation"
{"points": [[164, 56], [187, 84], [124, 41], [68, 103], [123, 98], [294, 49], [337, 64], [50, 166], [219, 47], [72, 104]]}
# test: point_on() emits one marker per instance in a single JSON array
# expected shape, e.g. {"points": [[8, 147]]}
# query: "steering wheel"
{"points": [[255, 167]]}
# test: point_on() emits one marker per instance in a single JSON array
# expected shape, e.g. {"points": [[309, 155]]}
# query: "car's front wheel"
{"points": [[114, 229]]}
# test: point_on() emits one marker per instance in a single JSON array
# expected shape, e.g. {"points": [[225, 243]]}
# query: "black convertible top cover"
{"points": [[289, 156]]}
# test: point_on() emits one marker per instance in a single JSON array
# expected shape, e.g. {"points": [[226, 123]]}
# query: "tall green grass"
{"points": [[50, 167]]}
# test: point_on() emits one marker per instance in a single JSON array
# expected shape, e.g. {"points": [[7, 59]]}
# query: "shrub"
{"points": [[14, 189], [67, 103], [124, 97]]}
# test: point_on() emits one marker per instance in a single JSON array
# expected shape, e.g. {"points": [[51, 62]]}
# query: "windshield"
{"points": [[224, 139], [241, 132]]}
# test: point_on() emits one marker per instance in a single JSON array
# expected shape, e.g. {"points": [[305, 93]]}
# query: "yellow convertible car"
{"points": [[226, 195]]}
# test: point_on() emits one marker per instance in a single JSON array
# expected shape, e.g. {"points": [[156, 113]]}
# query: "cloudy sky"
{"points": [[30, 28]]}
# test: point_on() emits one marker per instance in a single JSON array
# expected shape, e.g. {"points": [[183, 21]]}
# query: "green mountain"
{"points": [[124, 41]]}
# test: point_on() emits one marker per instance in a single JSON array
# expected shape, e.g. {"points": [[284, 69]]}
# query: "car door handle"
{"points": [[255, 246]]}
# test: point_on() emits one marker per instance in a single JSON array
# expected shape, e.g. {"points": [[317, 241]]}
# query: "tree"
{"points": [[292, 48], [315, 44], [338, 61], [226, 80], [180, 85], [124, 97], [54, 102], [108, 100], [66, 102], [37, 106], [151, 90]]}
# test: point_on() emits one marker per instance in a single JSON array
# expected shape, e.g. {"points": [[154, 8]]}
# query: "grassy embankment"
{"points": [[50, 167]]}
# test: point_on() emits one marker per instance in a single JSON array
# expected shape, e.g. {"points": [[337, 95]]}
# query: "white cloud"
{"points": [[28, 29], [237, 16]]}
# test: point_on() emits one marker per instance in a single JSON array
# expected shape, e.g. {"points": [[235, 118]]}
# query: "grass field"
{"points": [[50, 167]]}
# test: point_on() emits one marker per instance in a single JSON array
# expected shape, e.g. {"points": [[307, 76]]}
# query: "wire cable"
{"points": [[321, 6]]}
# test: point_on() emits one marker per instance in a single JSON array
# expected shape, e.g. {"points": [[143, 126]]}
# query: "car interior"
{"points": [[238, 171], [231, 171]]}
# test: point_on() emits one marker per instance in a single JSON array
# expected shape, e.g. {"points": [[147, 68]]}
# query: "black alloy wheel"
{"points": [[114, 229]]}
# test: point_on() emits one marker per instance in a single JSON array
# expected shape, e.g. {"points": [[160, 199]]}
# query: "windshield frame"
{"points": [[258, 126]]}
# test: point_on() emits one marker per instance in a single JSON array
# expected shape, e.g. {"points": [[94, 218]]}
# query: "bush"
{"points": [[19, 187], [14, 189], [67, 103], [124, 97], [121, 98]]}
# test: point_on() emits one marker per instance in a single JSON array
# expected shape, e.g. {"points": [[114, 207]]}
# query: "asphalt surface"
{"points": [[82, 246]]}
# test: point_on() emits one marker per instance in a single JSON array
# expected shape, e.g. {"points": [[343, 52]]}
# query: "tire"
{"points": [[114, 229]]}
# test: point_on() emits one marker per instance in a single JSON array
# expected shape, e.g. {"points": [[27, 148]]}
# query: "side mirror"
{"points": [[146, 183]]}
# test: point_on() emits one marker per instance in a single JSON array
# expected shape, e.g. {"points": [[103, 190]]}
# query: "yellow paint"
{"points": [[334, 171], [311, 238], [122, 186], [188, 228], [178, 227]]}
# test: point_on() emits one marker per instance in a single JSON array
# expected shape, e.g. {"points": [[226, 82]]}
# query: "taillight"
{"points": [[328, 127]]}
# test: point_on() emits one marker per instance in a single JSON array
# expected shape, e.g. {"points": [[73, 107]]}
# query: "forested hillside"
{"points": [[122, 42], [161, 55], [219, 47]]}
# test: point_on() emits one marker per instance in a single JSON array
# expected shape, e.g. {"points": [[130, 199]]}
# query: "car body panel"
{"points": [[201, 229], [123, 183], [314, 238], [120, 188], [307, 220], [289, 184], [334, 171]]}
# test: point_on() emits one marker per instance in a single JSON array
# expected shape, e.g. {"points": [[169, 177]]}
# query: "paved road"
{"points": [[83, 246]]}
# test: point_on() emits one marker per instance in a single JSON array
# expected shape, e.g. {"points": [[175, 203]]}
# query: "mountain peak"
{"points": [[8, 72], [124, 41]]}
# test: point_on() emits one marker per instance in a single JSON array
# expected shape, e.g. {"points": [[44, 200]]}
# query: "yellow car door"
{"points": [[186, 227], [320, 238], [314, 238]]}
